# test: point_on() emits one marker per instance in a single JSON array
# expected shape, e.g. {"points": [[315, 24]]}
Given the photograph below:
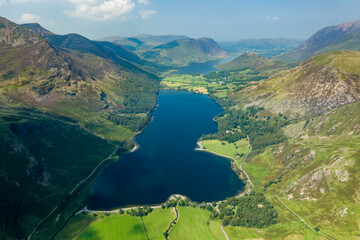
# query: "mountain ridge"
{"points": [[255, 62], [185, 51], [320, 40], [319, 84]]}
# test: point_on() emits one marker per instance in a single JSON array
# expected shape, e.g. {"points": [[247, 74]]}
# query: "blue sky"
{"points": [[218, 19]]}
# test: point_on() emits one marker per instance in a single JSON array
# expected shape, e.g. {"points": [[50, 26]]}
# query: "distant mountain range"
{"points": [[267, 47], [185, 51], [340, 37], [143, 41]]}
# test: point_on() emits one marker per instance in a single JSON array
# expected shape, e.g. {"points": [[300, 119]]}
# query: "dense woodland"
{"points": [[131, 121], [263, 128], [248, 211], [139, 94]]}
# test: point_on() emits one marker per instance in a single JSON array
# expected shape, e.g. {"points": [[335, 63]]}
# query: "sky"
{"points": [[223, 20]]}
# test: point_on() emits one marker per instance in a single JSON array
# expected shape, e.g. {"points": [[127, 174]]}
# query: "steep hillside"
{"points": [[103, 49], [323, 39], [184, 52], [61, 105], [38, 28], [260, 64], [350, 41], [318, 85], [42, 159], [85, 80], [267, 47], [316, 172]]}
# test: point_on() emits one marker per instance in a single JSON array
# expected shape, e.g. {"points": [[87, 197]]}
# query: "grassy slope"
{"points": [[348, 42], [32, 187], [75, 226], [319, 172], [45, 159], [284, 92], [192, 224], [258, 63]]}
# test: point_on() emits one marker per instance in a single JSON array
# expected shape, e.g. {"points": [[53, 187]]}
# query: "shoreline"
{"points": [[174, 196], [249, 190], [116, 210], [199, 147]]}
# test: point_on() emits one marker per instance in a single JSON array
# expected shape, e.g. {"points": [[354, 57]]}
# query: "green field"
{"points": [[193, 223], [186, 82], [227, 149], [157, 222], [113, 228]]}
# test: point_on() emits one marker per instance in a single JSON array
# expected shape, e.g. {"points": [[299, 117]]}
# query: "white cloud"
{"points": [[101, 9], [33, 18], [145, 2], [2, 2], [145, 14], [30, 18], [275, 18]]}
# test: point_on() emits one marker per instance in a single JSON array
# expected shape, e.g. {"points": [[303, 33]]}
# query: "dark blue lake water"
{"points": [[203, 68], [166, 162]]}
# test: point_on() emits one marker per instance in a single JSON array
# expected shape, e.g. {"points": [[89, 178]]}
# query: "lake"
{"points": [[204, 67], [166, 162]]}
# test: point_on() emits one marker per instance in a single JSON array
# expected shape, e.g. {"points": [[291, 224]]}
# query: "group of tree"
{"points": [[139, 212], [248, 211], [131, 121], [139, 94], [263, 128]]}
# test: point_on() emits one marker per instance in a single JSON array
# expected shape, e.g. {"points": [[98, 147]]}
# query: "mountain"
{"points": [[38, 28], [259, 64], [267, 47], [339, 37], [184, 52], [303, 125], [350, 41], [102, 49], [317, 85], [159, 39], [63, 99], [315, 174], [143, 41]]}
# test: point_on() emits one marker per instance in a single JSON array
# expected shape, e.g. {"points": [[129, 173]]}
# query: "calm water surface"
{"points": [[166, 162], [205, 67]]}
